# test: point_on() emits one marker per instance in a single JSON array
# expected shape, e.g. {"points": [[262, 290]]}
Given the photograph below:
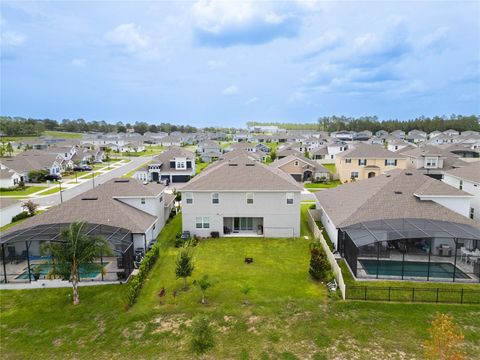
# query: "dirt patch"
{"points": [[57, 342], [136, 332], [253, 330], [171, 324]]}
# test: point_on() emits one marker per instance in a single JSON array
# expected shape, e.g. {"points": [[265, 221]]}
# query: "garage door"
{"points": [[180, 178]]}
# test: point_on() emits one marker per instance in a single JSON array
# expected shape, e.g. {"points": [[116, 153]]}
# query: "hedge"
{"points": [[136, 282]]}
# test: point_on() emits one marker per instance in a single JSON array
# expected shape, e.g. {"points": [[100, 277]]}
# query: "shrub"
{"points": [[319, 266], [312, 207], [22, 215], [202, 335], [136, 282], [38, 175]]}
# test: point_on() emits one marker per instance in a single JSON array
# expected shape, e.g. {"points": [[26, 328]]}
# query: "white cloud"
{"points": [[435, 40], [12, 38], [328, 41], [131, 39], [215, 64], [251, 100], [230, 90], [79, 62]]}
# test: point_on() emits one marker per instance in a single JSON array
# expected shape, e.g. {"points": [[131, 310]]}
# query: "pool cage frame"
{"points": [[404, 232], [119, 239]]}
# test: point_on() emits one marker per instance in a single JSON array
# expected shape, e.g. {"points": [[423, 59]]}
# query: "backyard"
{"points": [[287, 316]]}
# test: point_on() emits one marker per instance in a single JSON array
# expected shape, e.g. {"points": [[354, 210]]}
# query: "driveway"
{"points": [[67, 194]]}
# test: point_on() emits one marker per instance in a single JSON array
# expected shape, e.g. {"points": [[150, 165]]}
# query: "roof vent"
{"points": [[398, 192], [122, 180], [232, 164], [408, 174], [90, 198], [250, 164], [388, 175]]}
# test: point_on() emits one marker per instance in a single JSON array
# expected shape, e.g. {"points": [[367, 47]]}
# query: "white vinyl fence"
{"points": [[337, 272]]}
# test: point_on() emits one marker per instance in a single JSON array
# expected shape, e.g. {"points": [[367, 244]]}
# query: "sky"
{"points": [[224, 63]]}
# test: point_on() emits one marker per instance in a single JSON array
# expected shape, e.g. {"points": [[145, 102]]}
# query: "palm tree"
{"points": [[74, 249]]}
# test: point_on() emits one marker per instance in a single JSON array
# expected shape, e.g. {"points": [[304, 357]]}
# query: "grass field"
{"points": [[330, 167], [63, 134], [329, 185], [200, 166], [27, 191], [288, 315], [52, 190]]}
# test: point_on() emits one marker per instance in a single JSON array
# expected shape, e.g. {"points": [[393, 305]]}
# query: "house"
{"points": [[416, 136], [287, 150], [242, 145], [253, 156], [432, 160], [9, 207], [464, 150], [209, 150], [175, 165], [363, 135], [302, 168], [241, 197], [32, 160], [366, 161], [441, 139], [382, 225], [64, 152], [434, 134], [381, 133], [170, 140], [343, 135], [263, 148], [85, 155], [397, 144], [263, 128], [400, 134], [242, 137], [9, 178], [467, 178], [451, 132], [128, 213]]}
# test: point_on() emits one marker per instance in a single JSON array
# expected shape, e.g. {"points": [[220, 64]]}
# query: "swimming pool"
{"points": [[441, 270], [89, 272]]}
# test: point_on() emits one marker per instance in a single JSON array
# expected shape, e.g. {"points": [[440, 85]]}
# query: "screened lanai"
{"points": [[412, 249], [22, 258]]}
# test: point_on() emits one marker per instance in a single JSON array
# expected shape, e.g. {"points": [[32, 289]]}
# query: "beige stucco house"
{"points": [[367, 161]]}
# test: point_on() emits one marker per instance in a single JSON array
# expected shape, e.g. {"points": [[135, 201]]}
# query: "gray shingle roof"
{"points": [[241, 174], [280, 162], [366, 151], [104, 210], [389, 196], [30, 160], [470, 172]]}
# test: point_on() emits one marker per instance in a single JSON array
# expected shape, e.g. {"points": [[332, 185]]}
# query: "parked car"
{"points": [[53, 177], [82, 168]]}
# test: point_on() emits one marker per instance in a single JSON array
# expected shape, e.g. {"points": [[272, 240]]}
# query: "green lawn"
{"points": [[330, 167], [27, 191], [52, 190], [288, 315], [63, 134], [329, 185], [200, 166]]}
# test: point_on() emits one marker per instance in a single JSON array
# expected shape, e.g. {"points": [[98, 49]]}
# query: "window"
{"points": [[296, 163], [472, 213], [390, 162], [362, 162], [189, 198], [215, 198], [289, 198], [180, 165], [431, 162], [348, 161], [460, 185], [202, 222], [249, 198], [354, 174], [142, 200], [161, 198]]}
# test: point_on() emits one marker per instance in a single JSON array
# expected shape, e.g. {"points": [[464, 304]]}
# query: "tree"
{"points": [[446, 340], [73, 250], [108, 151], [319, 266], [9, 149], [306, 154], [203, 284], [184, 266], [30, 207], [273, 155], [202, 335]]}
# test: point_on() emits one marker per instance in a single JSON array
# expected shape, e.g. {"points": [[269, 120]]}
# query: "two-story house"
{"points": [[467, 178], [367, 161], [241, 197], [174, 165], [209, 150]]}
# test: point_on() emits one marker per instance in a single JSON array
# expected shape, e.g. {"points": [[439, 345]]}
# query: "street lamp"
{"points": [[61, 196]]}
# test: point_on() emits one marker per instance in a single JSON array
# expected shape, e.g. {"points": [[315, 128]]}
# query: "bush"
{"points": [[312, 207], [202, 335], [319, 266], [22, 215], [136, 283], [38, 176]]}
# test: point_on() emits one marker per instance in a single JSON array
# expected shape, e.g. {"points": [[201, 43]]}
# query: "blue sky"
{"points": [[225, 63]]}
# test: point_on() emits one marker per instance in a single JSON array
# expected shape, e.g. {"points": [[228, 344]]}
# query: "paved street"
{"points": [[67, 194]]}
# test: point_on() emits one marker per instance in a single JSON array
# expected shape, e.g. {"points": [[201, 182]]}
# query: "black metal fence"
{"points": [[414, 294]]}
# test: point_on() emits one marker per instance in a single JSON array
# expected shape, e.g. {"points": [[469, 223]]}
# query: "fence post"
{"points": [[365, 293], [461, 297], [437, 295], [389, 288], [413, 294]]}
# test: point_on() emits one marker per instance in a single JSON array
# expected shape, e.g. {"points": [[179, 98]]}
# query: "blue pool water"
{"points": [[89, 272]]}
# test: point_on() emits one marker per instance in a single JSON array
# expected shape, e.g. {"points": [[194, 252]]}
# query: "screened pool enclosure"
{"points": [[412, 249], [22, 258]]}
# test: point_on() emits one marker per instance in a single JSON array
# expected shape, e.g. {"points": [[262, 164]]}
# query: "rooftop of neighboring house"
{"points": [[172, 153], [390, 196], [321, 150], [237, 153], [367, 151], [242, 174], [209, 143], [280, 162], [470, 172], [427, 150], [100, 205], [241, 146], [30, 160], [287, 151]]}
